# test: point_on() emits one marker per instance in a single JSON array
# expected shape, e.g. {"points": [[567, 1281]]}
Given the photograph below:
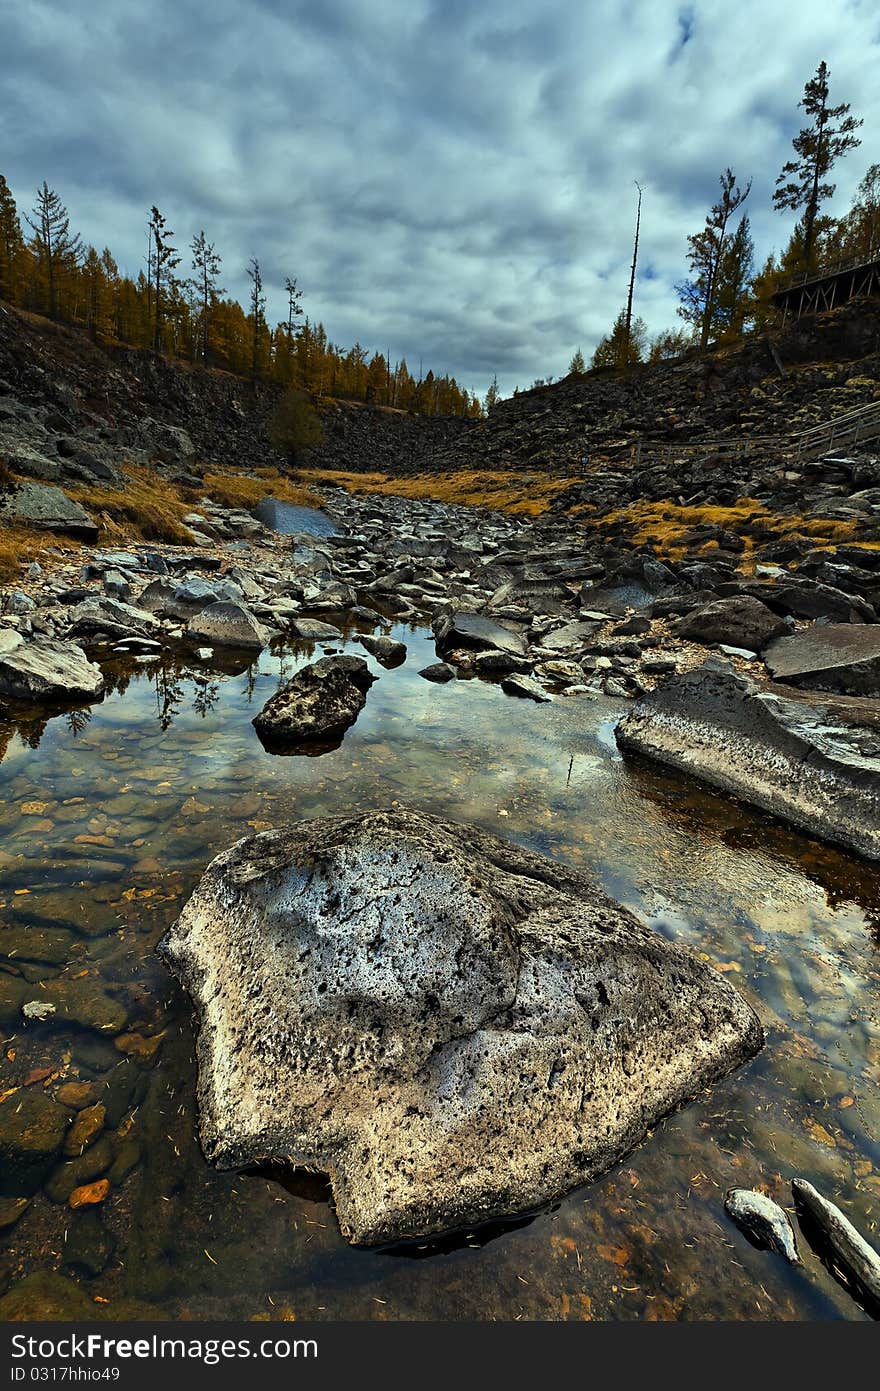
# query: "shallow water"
{"points": [[107, 819], [290, 519]]}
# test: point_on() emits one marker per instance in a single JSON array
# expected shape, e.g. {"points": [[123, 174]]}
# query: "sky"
{"points": [[450, 180]]}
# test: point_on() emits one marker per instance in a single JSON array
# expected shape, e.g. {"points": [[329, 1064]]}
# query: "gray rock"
{"points": [[476, 632], [49, 670], [46, 509], [103, 617], [571, 637], [10, 639], [515, 685], [741, 621], [451, 1027], [384, 649], [829, 657], [764, 1222], [317, 705], [814, 763], [313, 630], [227, 625]]}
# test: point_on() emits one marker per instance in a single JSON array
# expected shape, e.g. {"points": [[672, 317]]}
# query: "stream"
{"points": [[107, 819]]}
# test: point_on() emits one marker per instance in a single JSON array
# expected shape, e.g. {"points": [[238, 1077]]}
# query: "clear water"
{"points": [[107, 819]]}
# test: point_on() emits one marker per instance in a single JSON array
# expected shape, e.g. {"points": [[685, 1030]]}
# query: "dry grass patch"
{"points": [[246, 490], [147, 507], [664, 526], [524, 494], [20, 545]]}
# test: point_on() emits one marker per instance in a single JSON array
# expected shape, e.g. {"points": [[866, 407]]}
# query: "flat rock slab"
{"points": [[451, 1027], [47, 509], [476, 632], [316, 706], [49, 670], [386, 650], [812, 763], [841, 657]]}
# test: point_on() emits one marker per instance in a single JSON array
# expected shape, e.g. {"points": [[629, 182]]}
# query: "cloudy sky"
{"points": [[450, 179]]}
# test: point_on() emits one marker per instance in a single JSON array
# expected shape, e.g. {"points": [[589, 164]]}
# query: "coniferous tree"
{"points": [[577, 366], [11, 243], [803, 181], [858, 232], [206, 264], [705, 256], [735, 274], [258, 315], [620, 348], [493, 395], [294, 305], [671, 343], [163, 260], [57, 252]]}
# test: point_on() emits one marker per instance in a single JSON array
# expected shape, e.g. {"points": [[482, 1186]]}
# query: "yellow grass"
{"points": [[20, 545], [664, 526], [242, 490], [147, 507], [524, 494]]}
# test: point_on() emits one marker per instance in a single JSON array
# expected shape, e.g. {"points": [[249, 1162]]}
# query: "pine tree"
{"points": [[858, 232], [577, 366], [258, 316], [619, 348], [493, 395], [803, 181], [206, 264], [11, 243], [735, 273], [56, 250], [705, 257], [294, 305], [671, 343], [163, 260]]}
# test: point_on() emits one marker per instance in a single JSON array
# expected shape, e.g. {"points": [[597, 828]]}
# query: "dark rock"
{"points": [[47, 509], [841, 657], [317, 705], [32, 1130], [451, 1027], [524, 686], [740, 620], [384, 649], [439, 672], [475, 632]]}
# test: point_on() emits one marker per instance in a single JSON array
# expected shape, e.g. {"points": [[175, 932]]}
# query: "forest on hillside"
{"points": [[177, 306]]}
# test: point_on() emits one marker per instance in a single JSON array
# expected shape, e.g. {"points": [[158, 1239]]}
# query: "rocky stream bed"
{"points": [[502, 656]]}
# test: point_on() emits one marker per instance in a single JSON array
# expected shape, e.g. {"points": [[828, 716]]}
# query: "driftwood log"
{"points": [[825, 1226]]}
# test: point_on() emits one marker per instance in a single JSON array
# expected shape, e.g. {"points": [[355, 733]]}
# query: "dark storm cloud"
{"points": [[449, 179]]}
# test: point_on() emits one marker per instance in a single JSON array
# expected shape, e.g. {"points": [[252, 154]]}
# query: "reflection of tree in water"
{"points": [[169, 694], [206, 697], [77, 721]]}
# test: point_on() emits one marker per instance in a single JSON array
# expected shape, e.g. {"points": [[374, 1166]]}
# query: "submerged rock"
{"points": [[317, 705], [33, 1127], [451, 1027], [49, 670], [814, 763]]}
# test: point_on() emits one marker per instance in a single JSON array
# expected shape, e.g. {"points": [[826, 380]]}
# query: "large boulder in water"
{"points": [[316, 706], [476, 632], [812, 761], [449, 1026]]}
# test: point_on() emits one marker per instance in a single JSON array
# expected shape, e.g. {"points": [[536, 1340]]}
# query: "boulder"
{"points": [[812, 763], [841, 657], [103, 617], [49, 670], [476, 633], [516, 685], [571, 637], [451, 1027], [438, 672], [46, 508], [313, 630], [317, 705], [740, 621], [227, 625], [386, 650], [33, 1127]]}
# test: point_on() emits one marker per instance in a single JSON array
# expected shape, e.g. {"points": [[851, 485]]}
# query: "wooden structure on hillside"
{"points": [[810, 294]]}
